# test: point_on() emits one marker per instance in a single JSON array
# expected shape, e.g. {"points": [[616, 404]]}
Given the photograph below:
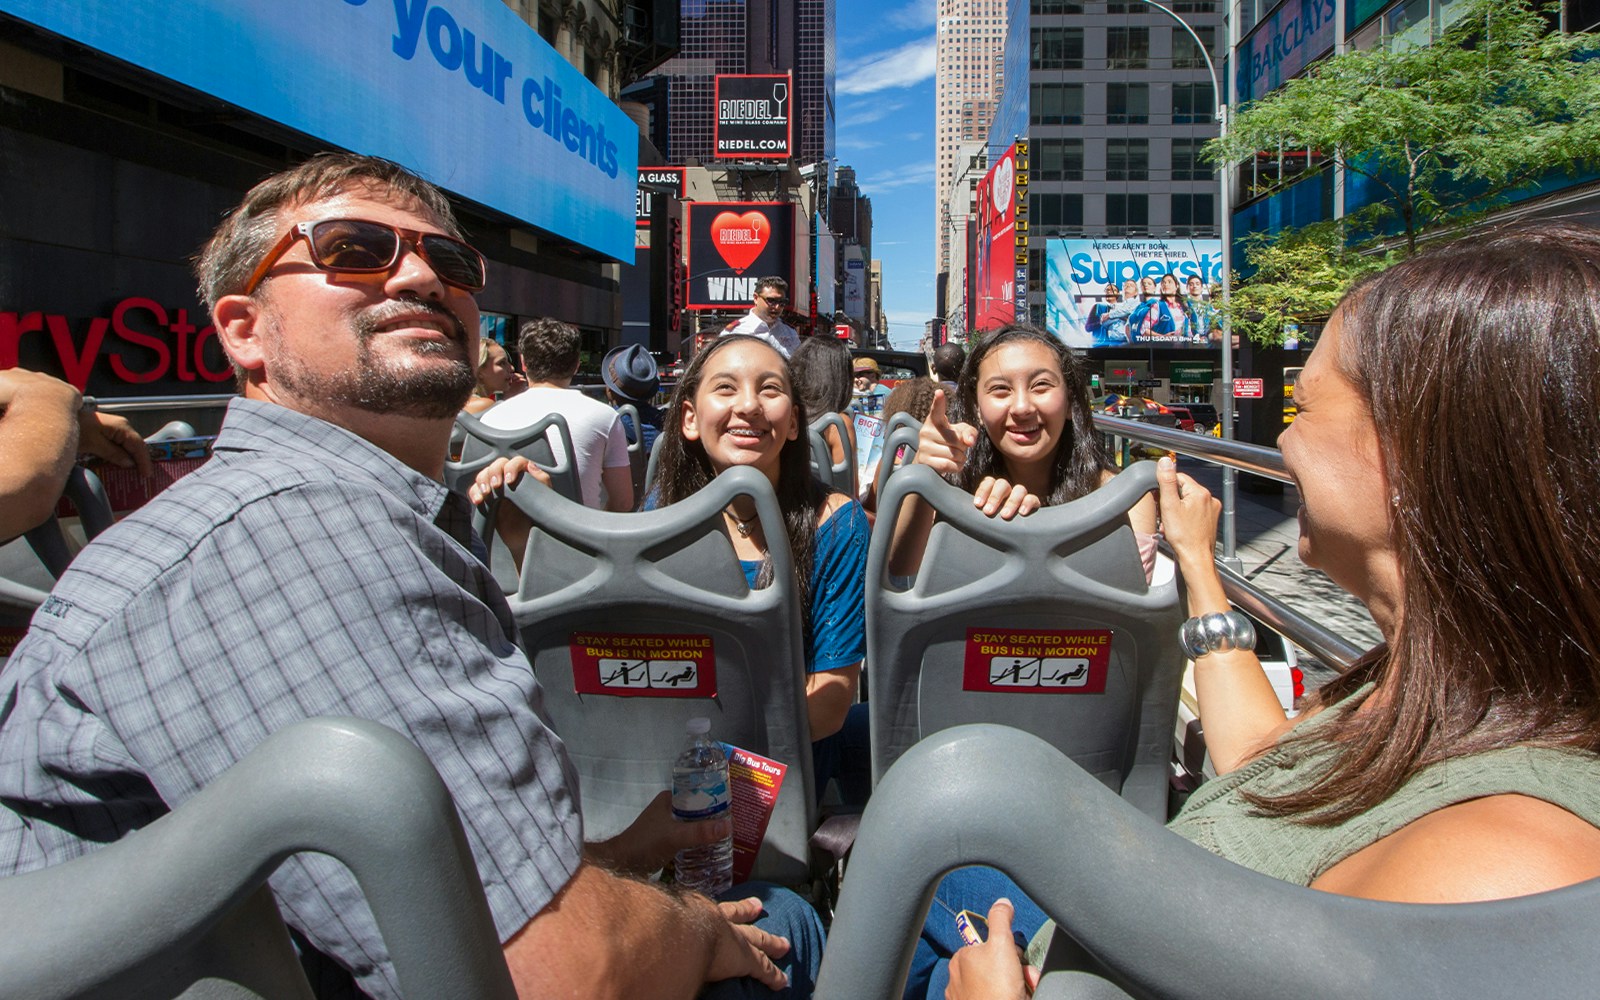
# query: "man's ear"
{"points": [[240, 328]]}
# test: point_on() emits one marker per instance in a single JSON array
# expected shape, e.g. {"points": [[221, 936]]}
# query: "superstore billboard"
{"points": [[1083, 312], [465, 93], [754, 118], [731, 245]]}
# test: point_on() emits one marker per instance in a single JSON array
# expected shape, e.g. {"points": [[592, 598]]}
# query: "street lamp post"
{"points": [[1230, 538]]}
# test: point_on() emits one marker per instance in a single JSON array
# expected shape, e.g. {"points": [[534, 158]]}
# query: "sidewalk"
{"points": [[1268, 546]]}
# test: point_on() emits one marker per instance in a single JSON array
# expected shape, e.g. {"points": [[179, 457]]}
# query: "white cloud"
{"points": [[906, 66], [919, 173], [914, 15], [872, 111]]}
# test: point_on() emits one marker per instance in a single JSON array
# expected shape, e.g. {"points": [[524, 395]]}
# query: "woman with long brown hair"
{"points": [[1444, 454]]}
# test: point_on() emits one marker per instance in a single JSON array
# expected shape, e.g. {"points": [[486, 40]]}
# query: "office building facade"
{"points": [[969, 78]]}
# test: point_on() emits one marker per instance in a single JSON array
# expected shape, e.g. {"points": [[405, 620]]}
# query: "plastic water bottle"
{"points": [[700, 791]]}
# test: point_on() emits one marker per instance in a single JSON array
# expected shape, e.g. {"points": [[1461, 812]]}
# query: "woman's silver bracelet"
{"points": [[1219, 631]]}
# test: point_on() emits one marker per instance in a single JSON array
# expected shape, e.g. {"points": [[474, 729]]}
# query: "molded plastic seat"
{"points": [[181, 906], [1043, 622], [903, 435], [1155, 914], [839, 476], [639, 611], [49, 540], [482, 444]]}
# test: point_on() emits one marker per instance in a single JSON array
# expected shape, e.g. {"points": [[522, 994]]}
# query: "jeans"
{"points": [[846, 757], [788, 915], [973, 889]]}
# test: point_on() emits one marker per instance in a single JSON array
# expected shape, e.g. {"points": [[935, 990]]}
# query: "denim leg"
{"points": [[974, 889], [855, 757], [787, 915]]}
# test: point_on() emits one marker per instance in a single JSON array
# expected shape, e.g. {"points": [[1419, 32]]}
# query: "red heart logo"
{"points": [[740, 238]]}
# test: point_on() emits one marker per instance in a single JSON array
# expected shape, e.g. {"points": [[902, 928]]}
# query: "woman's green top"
{"points": [[1219, 818]]}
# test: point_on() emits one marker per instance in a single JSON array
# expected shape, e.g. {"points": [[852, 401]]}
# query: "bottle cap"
{"points": [[699, 726]]}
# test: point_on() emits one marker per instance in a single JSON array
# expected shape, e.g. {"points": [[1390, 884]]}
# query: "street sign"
{"points": [[1249, 388], [1149, 383]]}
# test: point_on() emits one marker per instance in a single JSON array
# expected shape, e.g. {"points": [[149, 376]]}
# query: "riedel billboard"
{"points": [[731, 244], [753, 117]]}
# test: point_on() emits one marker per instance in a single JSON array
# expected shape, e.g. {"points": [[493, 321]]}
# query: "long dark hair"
{"points": [[684, 469], [1079, 460], [822, 376], [1480, 362]]}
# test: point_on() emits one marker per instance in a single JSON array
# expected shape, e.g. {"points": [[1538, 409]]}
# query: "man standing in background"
{"points": [[765, 319]]}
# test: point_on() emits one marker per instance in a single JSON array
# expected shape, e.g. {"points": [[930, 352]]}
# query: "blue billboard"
{"points": [[465, 93], [1116, 292], [1281, 47]]}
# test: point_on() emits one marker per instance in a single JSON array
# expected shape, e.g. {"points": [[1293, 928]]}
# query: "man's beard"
{"points": [[430, 389]]}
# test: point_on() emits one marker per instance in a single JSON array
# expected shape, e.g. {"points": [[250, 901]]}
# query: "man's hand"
{"points": [[503, 473], [651, 841], [992, 970], [742, 950], [108, 436], [942, 445]]}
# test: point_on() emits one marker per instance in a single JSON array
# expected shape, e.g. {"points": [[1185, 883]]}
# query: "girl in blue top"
{"points": [[736, 405]]}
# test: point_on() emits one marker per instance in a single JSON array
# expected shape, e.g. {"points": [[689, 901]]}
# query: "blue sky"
{"points": [[885, 101]]}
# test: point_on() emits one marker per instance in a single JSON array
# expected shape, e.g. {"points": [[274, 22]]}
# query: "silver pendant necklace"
{"points": [[740, 524]]}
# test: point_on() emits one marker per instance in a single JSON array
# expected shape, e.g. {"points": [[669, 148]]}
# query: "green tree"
{"points": [[1447, 130], [1297, 277]]}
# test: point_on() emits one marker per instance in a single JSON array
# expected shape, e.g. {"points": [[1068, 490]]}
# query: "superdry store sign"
{"points": [[753, 117], [731, 244], [465, 93]]}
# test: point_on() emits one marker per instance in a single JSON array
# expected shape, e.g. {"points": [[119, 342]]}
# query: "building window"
{"points": [[1185, 55], [1127, 103], [1195, 7], [1192, 103], [1056, 104], [1192, 211], [1127, 159], [1130, 210], [1055, 7], [1057, 48], [1186, 162], [1057, 159], [1057, 211], [1127, 48]]}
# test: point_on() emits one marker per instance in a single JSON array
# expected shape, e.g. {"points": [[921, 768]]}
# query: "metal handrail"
{"points": [[1254, 458], [139, 404], [1262, 461]]}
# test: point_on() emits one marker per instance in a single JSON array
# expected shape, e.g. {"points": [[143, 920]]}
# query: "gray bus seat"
{"points": [[49, 540], [638, 458], [841, 476], [904, 435], [182, 907], [1155, 915], [902, 419], [483, 444], [1045, 622], [598, 589]]}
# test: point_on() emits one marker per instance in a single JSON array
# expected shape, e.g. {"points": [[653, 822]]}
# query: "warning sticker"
{"points": [[1036, 662], [646, 666]]}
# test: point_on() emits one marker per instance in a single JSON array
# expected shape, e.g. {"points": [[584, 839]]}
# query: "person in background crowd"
{"points": [[947, 362], [1459, 759], [43, 425], [317, 565], [1034, 443], [765, 318], [631, 378], [551, 351], [867, 390], [913, 396], [497, 377], [821, 367]]}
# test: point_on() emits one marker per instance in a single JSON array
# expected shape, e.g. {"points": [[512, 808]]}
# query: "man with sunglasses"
{"points": [[316, 565], [765, 318]]}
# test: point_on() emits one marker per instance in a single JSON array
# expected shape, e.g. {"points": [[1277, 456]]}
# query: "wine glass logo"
{"points": [[780, 93]]}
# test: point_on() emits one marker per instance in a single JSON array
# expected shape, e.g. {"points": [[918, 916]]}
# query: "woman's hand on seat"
{"points": [[503, 473], [1000, 498], [1188, 516], [992, 970], [942, 445]]}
